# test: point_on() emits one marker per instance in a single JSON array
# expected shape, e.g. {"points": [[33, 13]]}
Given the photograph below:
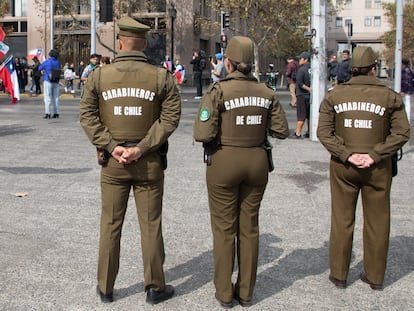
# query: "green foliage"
{"points": [[276, 26], [408, 32], [4, 8]]}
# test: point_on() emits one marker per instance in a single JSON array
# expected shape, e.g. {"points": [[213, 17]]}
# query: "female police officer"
{"points": [[362, 123], [233, 120]]}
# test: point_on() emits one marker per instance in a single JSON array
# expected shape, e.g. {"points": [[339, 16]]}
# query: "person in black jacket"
{"points": [[197, 73], [344, 70], [303, 89], [36, 74]]}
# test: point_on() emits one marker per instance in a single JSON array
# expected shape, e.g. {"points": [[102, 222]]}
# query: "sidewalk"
{"points": [[50, 207]]}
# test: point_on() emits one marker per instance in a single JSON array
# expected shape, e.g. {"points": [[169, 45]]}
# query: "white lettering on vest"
{"points": [[128, 92], [133, 111], [240, 102], [254, 120], [360, 106], [363, 124]]}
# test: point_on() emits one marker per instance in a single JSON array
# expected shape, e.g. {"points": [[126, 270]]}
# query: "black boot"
{"points": [[56, 116], [47, 116]]}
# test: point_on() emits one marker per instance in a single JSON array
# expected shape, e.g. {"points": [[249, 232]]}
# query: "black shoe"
{"points": [[56, 116], [296, 136], [338, 283], [373, 286], [154, 297], [242, 302], [104, 298], [307, 135], [225, 305], [47, 116]]}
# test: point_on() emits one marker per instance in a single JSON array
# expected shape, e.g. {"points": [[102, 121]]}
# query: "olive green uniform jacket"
{"points": [[362, 116], [106, 129], [247, 131]]}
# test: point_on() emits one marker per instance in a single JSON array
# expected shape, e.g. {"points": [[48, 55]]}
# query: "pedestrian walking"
{"points": [[233, 121], [51, 77], [128, 110], [291, 73], [362, 123]]}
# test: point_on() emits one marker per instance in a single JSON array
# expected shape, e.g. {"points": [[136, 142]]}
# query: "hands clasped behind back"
{"points": [[126, 155]]}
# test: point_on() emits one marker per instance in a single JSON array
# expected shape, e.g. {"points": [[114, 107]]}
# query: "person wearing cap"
{"points": [[303, 89], [344, 69], [128, 110], [50, 88], [217, 72], [93, 62], [291, 73], [362, 123], [233, 120]]}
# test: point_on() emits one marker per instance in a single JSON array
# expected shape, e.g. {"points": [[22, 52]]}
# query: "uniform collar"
{"points": [[131, 55], [237, 75], [364, 80]]}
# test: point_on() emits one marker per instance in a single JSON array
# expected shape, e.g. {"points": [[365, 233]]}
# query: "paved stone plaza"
{"points": [[50, 211]]}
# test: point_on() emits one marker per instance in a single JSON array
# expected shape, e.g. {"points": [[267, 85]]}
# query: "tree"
{"points": [[4, 8], [276, 27], [408, 33]]}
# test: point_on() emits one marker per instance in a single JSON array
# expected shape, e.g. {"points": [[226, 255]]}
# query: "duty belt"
{"points": [[129, 144]]}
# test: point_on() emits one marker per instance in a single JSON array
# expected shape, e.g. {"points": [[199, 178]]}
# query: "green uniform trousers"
{"points": [[236, 181], [374, 183], [146, 179]]}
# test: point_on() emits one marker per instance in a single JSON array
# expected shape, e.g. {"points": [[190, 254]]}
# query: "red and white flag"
{"points": [[4, 48], [33, 53], [9, 78]]}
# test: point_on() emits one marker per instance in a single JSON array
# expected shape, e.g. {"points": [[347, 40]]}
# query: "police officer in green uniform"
{"points": [[128, 110], [362, 123], [233, 120]]}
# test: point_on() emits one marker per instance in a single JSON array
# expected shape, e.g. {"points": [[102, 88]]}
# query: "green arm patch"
{"points": [[204, 114]]}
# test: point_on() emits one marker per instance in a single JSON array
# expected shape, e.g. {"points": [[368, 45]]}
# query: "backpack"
{"points": [[54, 76], [203, 63]]}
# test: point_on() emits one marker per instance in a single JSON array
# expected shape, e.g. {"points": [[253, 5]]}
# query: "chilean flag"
{"points": [[33, 53], [8, 76]]}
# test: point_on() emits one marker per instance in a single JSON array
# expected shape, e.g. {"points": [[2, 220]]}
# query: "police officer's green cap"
{"points": [[129, 27], [363, 56], [240, 49]]}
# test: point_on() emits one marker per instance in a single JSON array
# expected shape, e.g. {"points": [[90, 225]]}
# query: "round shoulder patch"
{"points": [[204, 114]]}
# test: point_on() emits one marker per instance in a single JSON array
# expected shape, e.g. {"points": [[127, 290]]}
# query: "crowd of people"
{"points": [[39, 73]]}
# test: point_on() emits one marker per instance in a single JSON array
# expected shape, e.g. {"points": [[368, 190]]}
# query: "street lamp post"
{"points": [[173, 14]]}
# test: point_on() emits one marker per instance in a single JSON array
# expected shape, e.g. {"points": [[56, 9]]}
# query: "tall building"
{"points": [[359, 22]]}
